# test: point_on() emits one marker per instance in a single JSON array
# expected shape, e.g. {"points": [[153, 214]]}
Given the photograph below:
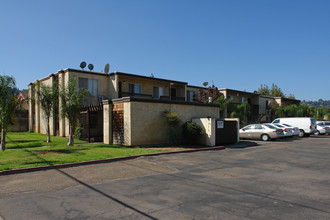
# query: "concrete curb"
{"points": [[59, 166]]}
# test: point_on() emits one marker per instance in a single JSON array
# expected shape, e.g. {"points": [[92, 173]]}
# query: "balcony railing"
{"points": [[172, 98], [148, 96], [129, 94]]}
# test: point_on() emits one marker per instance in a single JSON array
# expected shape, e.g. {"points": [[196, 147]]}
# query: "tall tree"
{"points": [[264, 90], [305, 110], [276, 91], [241, 111], [48, 100], [291, 96], [8, 106], [72, 101]]}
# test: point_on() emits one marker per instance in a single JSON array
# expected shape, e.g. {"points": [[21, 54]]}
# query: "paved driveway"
{"points": [[275, 180]]}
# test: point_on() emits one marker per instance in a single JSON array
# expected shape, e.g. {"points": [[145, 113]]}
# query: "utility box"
{"points": [[227, 131], [219, 132]]}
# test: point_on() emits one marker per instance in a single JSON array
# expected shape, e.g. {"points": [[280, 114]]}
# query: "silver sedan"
{"points": [[260, 131]]}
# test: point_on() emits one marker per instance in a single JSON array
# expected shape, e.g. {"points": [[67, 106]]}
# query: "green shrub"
{"points": [[191, 132], [172, 118], [173, 121], [78, 130]]}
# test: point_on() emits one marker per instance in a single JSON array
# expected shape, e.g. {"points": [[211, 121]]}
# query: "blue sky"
{"points": [[237, 44]]}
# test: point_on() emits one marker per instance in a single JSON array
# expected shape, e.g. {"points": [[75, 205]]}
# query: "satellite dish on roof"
{"points": [[205, 83], [107, 68], [82, 64], [90, 67]]}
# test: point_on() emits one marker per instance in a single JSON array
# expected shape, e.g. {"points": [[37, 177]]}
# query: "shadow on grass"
{"points": [[43, 162], [59, 151], [21, 141], [27, 146]]}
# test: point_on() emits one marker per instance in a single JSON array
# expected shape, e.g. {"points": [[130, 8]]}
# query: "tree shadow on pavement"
{"points": [[99, 191]]}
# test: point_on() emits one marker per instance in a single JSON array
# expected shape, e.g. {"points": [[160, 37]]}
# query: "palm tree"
{"points": [[48, 100], [241, 111], [72, 101], [8, 106], [223, 102]]}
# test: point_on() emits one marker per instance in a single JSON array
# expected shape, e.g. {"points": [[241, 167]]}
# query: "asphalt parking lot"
{"points": [[285, 179]]}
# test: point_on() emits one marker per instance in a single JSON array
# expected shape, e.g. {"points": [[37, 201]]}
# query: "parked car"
{"points": [[286, 131], [306, 125], [264, 132], [325, 123], [295, 130], [321, 129]]}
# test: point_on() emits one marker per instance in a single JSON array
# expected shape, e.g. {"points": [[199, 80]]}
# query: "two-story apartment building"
{"points": [[128, 108], [118, 88]]}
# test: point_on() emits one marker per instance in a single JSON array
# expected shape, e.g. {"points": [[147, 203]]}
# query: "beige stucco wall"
{"points": [[103, 81], [113, 86], [31, 106], [148, 84], [42, 119], [262, 104], [148, 124], [107, 123], [209, 127], [128, 130]]}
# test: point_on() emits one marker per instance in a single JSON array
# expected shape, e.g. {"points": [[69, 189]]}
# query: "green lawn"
{"points": [[24, 149]]}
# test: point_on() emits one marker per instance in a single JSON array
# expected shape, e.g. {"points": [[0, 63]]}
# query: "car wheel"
{"points": [[301, 133], [317, 133], [265, 137]]}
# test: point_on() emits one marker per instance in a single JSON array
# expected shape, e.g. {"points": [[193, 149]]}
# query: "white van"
{"points": [[307, 126]]}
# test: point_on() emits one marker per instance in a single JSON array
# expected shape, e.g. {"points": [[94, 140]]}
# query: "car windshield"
{"points": [[281, 126], [287, 125], [270, 126], [313, 120], [327, 123]]}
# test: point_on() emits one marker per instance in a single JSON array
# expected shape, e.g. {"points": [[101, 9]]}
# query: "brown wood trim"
{"points": [[135, 99]]}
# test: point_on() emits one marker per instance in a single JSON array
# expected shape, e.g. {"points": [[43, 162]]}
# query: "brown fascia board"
{"points": [[287, 99], [233, 90], [136, 99], [85, 71], [197, 87], [145, 77], [106, 75], [264, 96]]}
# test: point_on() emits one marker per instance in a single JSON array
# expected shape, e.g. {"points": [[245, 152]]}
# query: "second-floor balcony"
{"points": [[148, 96]]}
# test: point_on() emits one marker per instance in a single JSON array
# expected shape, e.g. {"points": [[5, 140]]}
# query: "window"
{"points": [[249, 127], [90, 84], [276, 121], [241, 99], [259, 127], [158, 92], [191, 96], [231, 98], [134, 88]]}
